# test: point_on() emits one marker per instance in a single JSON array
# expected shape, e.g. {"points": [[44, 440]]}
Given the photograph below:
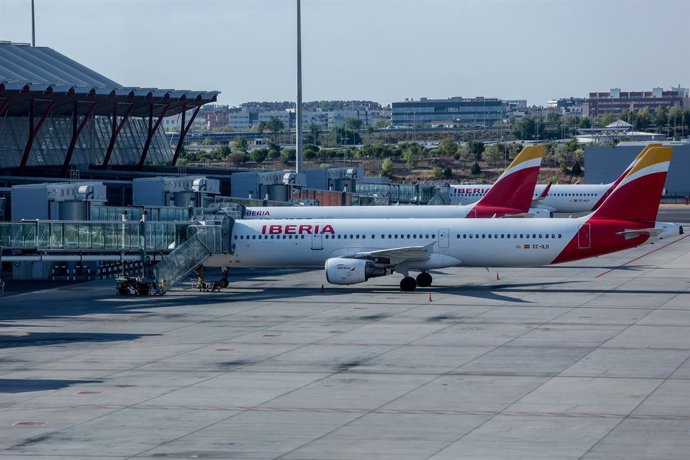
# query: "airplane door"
{"points": [[584, 237], [443, 238], [317, 241]]}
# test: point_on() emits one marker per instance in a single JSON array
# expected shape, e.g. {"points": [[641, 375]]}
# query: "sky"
{"points": [[379, 50]]}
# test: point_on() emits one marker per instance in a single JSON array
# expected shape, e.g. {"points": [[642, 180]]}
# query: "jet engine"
{"points": [[340, 270]]}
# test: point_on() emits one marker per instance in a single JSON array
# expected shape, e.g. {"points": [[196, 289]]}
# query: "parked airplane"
{"points": [[572, 198], [510, 195], [354, 250]]}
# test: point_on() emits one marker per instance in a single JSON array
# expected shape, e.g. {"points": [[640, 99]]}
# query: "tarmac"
{"points": [[587, 360]]}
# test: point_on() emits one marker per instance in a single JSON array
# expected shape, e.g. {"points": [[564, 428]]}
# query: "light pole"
{"points": [[33, 26], [298, 109]]}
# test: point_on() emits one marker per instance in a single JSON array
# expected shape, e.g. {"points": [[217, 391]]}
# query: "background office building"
{"points": [[456, 111], [617, 101]]}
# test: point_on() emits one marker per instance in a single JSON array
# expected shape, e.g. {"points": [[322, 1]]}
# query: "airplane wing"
{"points": [[396, 256]]}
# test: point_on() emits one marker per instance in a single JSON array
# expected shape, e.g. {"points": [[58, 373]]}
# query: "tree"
{"points": [[312, 137], [564, 155], [387, 167], [310, 152], [276, 126], [525, 128], [288, 155], [240, 145], [493, 155], [273, 151], [476, 148], [237, 159], [606, 119], [220, 153], [258, 155], [353, 124], [642, 119], [411, 153], [447, 172], [341, 136], [447, 147], [660, 118], [585, 123], [577, 169], [476, 169]]}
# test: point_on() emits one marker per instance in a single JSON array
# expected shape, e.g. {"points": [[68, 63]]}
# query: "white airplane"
{"points": [[572, 198], [354, 250], [510, 195]]}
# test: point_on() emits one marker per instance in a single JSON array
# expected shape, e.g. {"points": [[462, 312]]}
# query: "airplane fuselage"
{"points": [[376, 212], [454, 242], [560, 198]]}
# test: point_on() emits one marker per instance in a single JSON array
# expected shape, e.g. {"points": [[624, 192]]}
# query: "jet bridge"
{"points": [[169, 250]]}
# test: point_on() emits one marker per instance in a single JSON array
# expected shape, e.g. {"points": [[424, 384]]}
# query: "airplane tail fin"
{"points": [[625, 173], [636, 196], [515, 187]]}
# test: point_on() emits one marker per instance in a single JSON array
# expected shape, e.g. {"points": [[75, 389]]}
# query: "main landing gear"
{"points": [[408, 283]]}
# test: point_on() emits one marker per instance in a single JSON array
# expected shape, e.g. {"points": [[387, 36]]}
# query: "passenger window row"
{"points": [[498, 236], [396, 236]]}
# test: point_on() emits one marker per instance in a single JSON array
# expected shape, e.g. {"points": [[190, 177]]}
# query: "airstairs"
{"points": [[183, 260]]}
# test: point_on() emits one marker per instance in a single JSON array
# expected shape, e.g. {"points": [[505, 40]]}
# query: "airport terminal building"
{"points": [[56, 114]]}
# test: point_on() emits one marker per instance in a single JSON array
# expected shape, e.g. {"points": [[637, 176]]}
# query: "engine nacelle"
{"points": [[540, 212], [340, 270]]}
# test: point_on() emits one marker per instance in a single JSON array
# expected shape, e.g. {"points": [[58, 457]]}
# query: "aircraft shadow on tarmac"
{"points": [[486, 292], [30, 385], [37, 339]]}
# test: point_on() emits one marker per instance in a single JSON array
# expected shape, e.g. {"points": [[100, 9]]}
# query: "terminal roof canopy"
{"points": [[42, 74]]}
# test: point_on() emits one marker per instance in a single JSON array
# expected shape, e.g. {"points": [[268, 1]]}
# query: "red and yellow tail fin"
{"points": [[637, 195], [622, 176], [515, 188]]}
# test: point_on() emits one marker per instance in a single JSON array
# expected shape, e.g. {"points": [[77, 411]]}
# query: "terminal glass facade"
{"points": [[53, 140]]}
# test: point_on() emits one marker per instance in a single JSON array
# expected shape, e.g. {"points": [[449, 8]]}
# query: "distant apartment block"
{"points": [[456, 111], [617, 101], [172, 124], [216, 120], [572, 106], [245, 118]]}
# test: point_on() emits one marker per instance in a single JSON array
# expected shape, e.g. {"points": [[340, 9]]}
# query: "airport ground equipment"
{"points": [[210, 235]]}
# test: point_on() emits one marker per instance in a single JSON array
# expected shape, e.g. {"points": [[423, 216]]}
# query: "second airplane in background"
{"points": [[511, 195], [572, 198]]}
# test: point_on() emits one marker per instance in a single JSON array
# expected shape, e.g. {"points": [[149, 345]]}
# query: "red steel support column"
{"points": [[152, 131], [76, 131], [183, 134], [33, 132], [116, 131]]}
